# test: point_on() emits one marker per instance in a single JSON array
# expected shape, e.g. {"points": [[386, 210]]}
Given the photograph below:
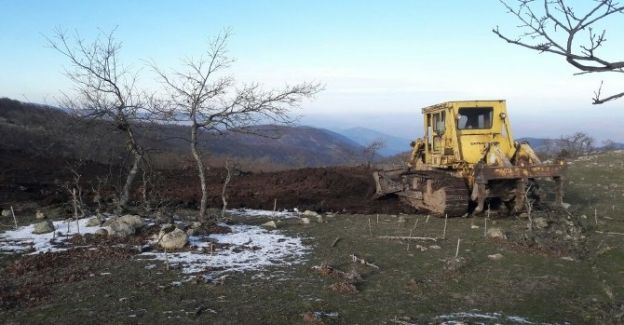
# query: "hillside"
{"points": [[364, 136], [40, 130]]}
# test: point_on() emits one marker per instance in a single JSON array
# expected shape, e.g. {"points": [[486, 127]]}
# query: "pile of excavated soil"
{"points": [[337, 189]]}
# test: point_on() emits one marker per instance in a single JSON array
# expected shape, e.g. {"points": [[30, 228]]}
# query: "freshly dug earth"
{"points": [[338, 189]]}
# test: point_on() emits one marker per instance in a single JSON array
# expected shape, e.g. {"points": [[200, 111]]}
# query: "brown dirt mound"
{"points": [[338, 189]]}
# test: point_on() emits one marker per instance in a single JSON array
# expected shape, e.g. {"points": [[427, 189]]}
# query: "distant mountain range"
{"points": [[44, 131], [363, 136]]}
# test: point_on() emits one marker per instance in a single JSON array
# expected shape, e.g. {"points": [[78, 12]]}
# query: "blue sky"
{"points": [[380, 60]]}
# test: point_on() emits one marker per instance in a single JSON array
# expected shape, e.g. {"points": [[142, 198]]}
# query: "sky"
{"points": [[380, 61]]}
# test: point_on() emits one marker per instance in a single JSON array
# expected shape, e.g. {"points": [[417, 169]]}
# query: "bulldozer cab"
{"points": [[459, 132]]}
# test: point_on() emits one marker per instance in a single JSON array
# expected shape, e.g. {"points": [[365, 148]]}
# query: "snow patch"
{"points": [[481, 318], [22, 240], [284, 214], [246, 248]]}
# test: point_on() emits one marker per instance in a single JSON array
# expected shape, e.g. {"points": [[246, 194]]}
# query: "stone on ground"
{"points": [[6, 212], [310, 213], [496, 233], [305, 221], [540, 223], [93, 222], [39, 215], [132, 220], [120, 229], [173, 240], [495, 257], [43, 227], [270, 224]]}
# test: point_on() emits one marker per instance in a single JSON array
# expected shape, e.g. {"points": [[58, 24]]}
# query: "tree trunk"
{"points": [[125, 192], [146, 201], [200, 172], [137, 152], [228, 177]]}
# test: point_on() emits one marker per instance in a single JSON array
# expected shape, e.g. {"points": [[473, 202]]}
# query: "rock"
{"points": [[455, 263], [495, 257], [120, 229], [473, 226], [435, 247], [43, 227], [6, 213], [401, 219], [309, 213], [496, 233], [196, 224], [101, 232], [270, 224], [321, 219], [193, 232], [109, 221], [133, 220], [93, 222], [39, 215], [540, 223], [168, 227], [523, 215], [305, 221], [565, 205], [175, 239]]}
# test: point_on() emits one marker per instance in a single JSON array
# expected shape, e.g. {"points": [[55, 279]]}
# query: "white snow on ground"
{"points": [[285, 214], [22, 240], [252, 248], [247, 248], [478, 317]]}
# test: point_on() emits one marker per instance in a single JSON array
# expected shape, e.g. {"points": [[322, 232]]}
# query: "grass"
{"points": [[411, 284]]}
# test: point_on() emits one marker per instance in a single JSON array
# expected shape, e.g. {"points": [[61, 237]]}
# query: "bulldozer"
{"points": [[468, 157]]}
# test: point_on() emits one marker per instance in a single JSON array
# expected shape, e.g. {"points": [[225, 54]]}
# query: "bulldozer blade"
{"points": [[388, 182]]}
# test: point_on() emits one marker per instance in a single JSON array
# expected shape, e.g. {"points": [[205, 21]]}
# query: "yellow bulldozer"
{"points": [[468, 157]]}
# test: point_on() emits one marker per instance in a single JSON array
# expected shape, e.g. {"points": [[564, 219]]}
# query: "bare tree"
{"points": [[371, 150], [608, 145], [205, 96], [553, 26], [104, 89], [576, 144]]}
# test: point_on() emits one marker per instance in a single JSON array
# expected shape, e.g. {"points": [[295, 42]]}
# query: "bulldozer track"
{"points": [[449, 196]]}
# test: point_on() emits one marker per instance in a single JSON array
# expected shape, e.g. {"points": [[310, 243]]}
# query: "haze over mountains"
{"points": [[42, 131], [392, 145]]}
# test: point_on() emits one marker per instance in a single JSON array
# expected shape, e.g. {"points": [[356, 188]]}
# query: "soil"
{"points": [[337, 189]]}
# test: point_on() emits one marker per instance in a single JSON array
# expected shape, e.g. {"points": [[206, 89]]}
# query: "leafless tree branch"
{"points": [[555, 29], [103, 89], [206, 96]]}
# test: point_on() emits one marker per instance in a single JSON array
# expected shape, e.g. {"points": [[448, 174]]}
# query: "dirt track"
{"points": [[339, 189]]}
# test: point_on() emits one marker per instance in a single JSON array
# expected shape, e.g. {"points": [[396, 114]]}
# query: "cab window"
{"points": [[438, 122], [475, 118]]}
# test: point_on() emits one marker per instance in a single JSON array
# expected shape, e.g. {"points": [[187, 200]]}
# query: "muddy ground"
{"points": [[569, 271]]}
